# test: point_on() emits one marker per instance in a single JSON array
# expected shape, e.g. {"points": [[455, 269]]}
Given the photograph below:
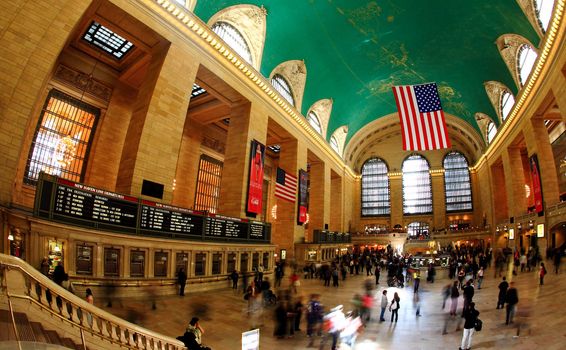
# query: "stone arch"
{"points": [[295, 73], [322, 109]]}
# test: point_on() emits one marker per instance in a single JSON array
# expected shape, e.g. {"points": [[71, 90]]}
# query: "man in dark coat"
{"points": [[511, 298], [468, 294], [182, 280], [502, 293]]}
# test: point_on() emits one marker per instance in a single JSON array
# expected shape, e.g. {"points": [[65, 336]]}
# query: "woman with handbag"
{"points": [[394, 307], [471, 317]]}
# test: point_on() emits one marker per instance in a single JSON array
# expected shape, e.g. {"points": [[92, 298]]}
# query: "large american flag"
{"points": [[285, 186], [422, 119]]}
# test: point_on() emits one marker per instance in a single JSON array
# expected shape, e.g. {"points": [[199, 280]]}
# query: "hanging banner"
{"points": [[537, 185], [255, 179], [303, 197]]}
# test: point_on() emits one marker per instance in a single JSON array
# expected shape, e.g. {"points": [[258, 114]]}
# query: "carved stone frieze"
{"points": [[213, 144], [295, 72], [250, 21], [83, 82], [483, 121]]}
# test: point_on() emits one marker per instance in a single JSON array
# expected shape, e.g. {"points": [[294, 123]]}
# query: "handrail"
{"points": [[98, 322]]}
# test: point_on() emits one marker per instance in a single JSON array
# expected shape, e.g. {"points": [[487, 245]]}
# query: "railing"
{"points": [[26, 283]]}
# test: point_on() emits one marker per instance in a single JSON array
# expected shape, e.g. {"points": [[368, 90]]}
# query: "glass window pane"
{"points": [[457, 184], [280, 84], [234, 39], [375, 188], [527, 59], [543, 10], [507, 103], [62, 139], [314, 122], [334, 144], [160, 264], [208, 184], [137, 263], [491, 132], [417, 188]]}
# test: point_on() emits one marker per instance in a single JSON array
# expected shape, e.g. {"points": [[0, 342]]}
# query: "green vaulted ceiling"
{"points": [[356, 50]]}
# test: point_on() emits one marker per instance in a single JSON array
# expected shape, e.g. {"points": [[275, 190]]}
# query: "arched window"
{"points": [[507, 102], [62, 139], [375, 188], [457, 185], [234, 39], [334, 144], [417, 189], [491, 132], [418, 230], [527, 57], [314, 122], [543, 10], [280, 84]]}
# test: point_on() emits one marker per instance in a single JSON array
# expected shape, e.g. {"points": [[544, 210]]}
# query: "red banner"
{"points": [[303, 197], [537, 186], [255, 179]]}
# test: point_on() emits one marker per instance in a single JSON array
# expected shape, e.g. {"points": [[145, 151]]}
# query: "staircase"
{"points": [[31, 331]]}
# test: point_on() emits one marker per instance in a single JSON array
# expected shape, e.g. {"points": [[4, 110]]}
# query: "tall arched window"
{"points": [[543, 10], [457, 185], [284, 89], [375, 188], [334, 144], [527, 57], [417, 189], [491, 132], [313, 120], [507, 102], [234, 38]]}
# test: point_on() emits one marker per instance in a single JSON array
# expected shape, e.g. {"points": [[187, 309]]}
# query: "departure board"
{"points": [[162, 217], [78, 204], [88, 203]]}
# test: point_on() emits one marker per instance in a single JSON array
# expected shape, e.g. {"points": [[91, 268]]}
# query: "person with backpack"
{"points": [[394, 307], [471, 317]]}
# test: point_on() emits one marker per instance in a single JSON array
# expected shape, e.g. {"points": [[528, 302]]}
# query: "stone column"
{"points": [[293, 156], [499, 194], [536, 136], [319, 197], [188, 165], [336, 203], [247, 122], [156, 127], [438, 200], [396, 198], [514, 181]]}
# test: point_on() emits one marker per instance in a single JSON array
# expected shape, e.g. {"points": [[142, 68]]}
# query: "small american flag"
{"points": [[285, 186], [422, 119]]}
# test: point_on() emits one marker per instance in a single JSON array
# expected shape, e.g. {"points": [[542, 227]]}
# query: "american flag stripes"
{"points": [[285, 186], [422, 119]]}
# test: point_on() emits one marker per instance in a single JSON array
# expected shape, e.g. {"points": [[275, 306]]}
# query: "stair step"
{"points": [[39, 332], [6, 328], [53, 337]]}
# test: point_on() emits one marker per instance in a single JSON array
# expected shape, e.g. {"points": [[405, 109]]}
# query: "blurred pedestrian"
{"points": [[511, 298], [470, 316]]}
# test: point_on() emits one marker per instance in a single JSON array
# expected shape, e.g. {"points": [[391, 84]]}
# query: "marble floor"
{"points": [[223, 314]]}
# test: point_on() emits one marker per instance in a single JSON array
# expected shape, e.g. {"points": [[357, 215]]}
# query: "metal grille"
{"points": [[417, 189], [234, 39], [208, 184], [62, 139], [283, 88], [457, 185], [106, 40], [375, 188], [314, 122]]}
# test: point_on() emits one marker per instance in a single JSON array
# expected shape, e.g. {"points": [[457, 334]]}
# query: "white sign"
{"points": [[250, 340]]}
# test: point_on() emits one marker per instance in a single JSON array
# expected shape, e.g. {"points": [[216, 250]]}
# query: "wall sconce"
{"points": [[519, 226], [505, 228], [497, 229], [531, 224]]}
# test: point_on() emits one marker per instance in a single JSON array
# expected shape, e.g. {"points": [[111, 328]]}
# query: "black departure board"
{"points": [[166, 218], [78, 204], [88, 203], [225, 227]]}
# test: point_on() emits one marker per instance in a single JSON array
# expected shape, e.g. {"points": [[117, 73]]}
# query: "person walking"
{"points": [[394, 307], [542, 273], [454, 295], [468, 294], [470, 316], [234, 276], [502, 293], [511, 298], [384, 303], [480, 277], [182, 280], [377, 273]]}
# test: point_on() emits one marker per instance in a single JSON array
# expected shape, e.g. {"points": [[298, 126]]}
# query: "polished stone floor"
{"points": [[223, 314]]}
